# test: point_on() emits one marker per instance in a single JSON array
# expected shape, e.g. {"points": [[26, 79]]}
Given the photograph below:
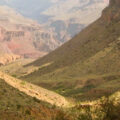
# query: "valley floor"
{"points": [[15, 106]]}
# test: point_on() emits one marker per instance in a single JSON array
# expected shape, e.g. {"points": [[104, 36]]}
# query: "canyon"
{"points": [[33, 34], [80, 80], [23, 37], [65, 18]]}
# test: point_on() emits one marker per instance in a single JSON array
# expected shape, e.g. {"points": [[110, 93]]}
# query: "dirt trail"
{"points": [[35, 91]]}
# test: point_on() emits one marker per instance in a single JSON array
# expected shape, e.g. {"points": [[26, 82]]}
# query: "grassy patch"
{"points": [[15, 105]]}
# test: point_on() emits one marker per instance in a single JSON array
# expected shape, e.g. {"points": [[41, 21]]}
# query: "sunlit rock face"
{"points": [[8, 58], [23, 36], [28, 41]]}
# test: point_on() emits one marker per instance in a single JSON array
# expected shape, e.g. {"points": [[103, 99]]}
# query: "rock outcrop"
{"points": [[112, 12], [8, 58]]}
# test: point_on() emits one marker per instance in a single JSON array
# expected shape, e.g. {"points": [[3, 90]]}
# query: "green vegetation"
{"points": [[86, 67], [16, 68], [18, 106], [104, 109], [15, 105]]}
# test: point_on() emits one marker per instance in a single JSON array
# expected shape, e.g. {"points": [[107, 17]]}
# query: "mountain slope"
{"points": [[88, 64], [18, 106], [35, 91], [15, 105], [68, 17]]}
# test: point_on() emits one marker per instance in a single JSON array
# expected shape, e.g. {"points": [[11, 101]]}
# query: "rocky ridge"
{"points": [[35, 91]]}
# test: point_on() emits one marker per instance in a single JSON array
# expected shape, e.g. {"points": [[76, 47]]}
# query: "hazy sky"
{"points": [[36, 9]]}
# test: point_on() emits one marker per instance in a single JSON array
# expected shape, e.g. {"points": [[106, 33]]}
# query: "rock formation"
{"points": [[23, 36], [8, 58]]}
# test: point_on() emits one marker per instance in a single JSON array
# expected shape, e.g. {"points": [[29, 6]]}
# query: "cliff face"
{"points": [[112, 12], [24, 37], [28, 41], [115, 3]]}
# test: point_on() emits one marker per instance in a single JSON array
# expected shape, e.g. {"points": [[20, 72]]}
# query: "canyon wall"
{"points": [[24, 37]]}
